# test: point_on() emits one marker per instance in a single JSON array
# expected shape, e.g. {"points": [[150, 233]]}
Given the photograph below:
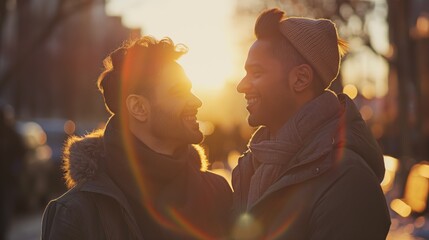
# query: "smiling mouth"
{"points": [[190, 119], [251, 101]]}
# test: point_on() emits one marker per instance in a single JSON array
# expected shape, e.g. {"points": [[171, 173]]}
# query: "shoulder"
{"points": [[349, 175], [216, 181], [71, 204], [81, 157], [66, 215], [350, 165], [219, 191], [218, 187], [199, 165], [351, 196], [244, 165]]}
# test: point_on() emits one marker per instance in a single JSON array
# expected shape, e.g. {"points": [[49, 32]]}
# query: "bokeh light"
{"points": [[391, 165], [350, 90], [400, 207], [367, 112], [247, 227], [423, 25], [69, 127], [416, 189]]}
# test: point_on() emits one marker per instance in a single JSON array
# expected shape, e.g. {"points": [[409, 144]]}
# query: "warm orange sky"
{"points": [[204, 26], [215, 41]]}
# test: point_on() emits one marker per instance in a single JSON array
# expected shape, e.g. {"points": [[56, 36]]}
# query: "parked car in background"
{"points": [[34, 174], [57, 131], [42, 177]]}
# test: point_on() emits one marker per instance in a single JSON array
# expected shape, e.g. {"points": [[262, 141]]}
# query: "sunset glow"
{"points": [[204, 26]]}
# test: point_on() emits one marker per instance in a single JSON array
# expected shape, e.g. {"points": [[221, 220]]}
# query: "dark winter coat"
{"points": [[320, 179], [97, 208]]}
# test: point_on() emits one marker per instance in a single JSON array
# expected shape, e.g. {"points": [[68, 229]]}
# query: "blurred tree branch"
{"points": [[340, 11], [65, 9], [3, 4], [2, 13], [352, 18]]}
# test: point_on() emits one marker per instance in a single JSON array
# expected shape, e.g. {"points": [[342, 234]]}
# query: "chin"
{"points": [[195, 137], [253, 122], [198, 138]]}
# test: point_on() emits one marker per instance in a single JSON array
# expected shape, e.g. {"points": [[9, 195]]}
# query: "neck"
{"points": [[273, 132], [300, 102], [158, 145]]}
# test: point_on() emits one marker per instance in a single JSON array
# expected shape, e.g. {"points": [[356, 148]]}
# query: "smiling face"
{"points": [[270, 100], [174, 108]]}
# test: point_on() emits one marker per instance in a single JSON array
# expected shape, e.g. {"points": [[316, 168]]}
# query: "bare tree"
{"points": [[64, 10]]}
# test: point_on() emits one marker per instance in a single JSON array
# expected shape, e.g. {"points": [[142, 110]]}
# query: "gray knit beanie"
{"points": [[317, 41]]}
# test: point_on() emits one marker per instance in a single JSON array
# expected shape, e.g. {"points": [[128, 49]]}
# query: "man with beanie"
{"points": [[312, 169], [140, 177]]}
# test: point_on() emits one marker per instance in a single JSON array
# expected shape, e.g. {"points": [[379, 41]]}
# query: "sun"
{"points": [[203, 26], [208, 69]]}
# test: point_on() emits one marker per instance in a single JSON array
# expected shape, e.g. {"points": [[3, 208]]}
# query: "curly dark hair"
{"points": [[133, 69]]}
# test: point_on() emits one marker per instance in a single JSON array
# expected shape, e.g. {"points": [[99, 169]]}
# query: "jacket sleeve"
{"points": [[354, 207], [59, 222]]}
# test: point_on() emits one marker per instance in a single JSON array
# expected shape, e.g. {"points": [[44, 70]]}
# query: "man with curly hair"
{"points": [[313, 169], [141, 177]]}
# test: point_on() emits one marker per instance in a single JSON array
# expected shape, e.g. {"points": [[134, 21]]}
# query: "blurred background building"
{"points": [[51, 53]]}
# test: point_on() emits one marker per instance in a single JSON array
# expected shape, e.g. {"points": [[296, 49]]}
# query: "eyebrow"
{"points": [[250, 67], [187, 86]]}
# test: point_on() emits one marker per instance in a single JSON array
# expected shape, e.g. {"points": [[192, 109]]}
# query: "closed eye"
{"points": [[254, 71], [181, 90], [256, 74], [182, 93]]}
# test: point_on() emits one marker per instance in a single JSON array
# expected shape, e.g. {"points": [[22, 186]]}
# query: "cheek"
{"points": [[163, 113], [278, 100], [170, 107], [273, 80], [275, 90]]}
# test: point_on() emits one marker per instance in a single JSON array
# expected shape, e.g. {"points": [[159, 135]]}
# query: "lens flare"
{"points": [[247, 227], [283, 227], [187, 226], [168, 217]]}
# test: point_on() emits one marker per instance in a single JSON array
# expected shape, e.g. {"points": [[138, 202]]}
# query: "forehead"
{"points": [[261, 55], [173, 75]]}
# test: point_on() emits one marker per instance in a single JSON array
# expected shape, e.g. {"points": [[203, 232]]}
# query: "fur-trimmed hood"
{"points": [[82, 155]]}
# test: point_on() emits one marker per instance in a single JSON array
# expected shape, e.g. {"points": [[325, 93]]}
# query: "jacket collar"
{"points": [[126, 154], [315, 156], [351, 133], [293, 138], [83, 157], [294, 146]]}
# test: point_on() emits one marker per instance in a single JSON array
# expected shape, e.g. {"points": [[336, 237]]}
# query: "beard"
{"points": [[172, 128]]}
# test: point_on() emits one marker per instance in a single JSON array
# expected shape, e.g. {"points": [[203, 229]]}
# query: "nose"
{"points": [[243, 86], [195, 101]]}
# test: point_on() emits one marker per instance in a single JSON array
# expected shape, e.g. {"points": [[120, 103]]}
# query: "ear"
{"points": [[138, 107], [302, 76]]}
